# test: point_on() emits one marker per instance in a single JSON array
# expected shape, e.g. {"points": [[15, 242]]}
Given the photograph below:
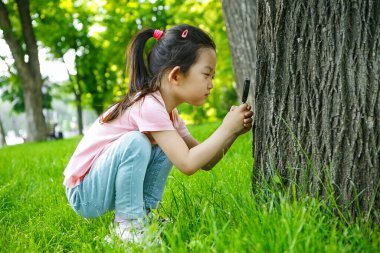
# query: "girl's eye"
{"points": [[206, 74]]}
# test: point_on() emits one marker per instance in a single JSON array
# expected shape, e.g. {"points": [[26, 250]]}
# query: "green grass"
{"points": [[212, 211]]}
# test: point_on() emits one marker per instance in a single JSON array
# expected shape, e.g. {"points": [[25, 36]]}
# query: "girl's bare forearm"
{"points": [[220, 154], [211, 150]]}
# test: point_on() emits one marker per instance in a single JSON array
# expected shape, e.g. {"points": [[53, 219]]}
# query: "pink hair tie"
{"points": [[184, 33], [157, 34]]}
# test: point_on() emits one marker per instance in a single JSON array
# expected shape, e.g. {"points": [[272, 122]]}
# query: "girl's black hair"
{"points": [[170, 50]]}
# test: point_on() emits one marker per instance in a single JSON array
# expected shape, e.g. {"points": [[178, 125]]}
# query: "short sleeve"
{"points": [[151, 115], [180, 125]]}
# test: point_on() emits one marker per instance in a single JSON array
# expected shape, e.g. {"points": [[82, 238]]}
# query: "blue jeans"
{"points": [[128, 177]]}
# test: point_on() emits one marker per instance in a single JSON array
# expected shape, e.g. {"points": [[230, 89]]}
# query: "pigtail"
{"points": [[138, 73], [138, 76]]}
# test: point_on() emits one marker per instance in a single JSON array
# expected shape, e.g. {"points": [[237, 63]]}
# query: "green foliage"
{"points": [[211, 211], [98, 32], [11, 91], [10, 85], [66, 25]]}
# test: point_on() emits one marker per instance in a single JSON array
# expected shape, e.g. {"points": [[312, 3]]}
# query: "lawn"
{"points": [[211, 211]]}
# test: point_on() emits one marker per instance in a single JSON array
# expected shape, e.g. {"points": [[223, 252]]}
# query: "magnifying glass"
{"points": [[247, 83]]}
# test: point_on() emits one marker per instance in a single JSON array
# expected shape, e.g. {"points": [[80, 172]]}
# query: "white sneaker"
{"points": [[128, 232]]}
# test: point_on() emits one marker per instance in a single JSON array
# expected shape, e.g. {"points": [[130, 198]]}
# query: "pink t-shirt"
{"points": [[147, 115]]}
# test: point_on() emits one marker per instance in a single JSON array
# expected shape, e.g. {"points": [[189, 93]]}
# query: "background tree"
{"points": [[63, 26], [317, 98], [2, 135], [25, 53], [240, 20]]}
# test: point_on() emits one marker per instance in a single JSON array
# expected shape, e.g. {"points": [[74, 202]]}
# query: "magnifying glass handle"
{"points": [[247, 83]]}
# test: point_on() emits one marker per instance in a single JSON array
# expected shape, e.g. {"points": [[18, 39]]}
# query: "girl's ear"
{"points": [[173, 76]]}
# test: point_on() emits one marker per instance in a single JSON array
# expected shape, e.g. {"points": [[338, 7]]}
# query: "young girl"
{"points": [[125, 157]]}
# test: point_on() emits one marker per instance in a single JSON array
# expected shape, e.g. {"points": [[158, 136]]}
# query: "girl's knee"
{"points": [[86, 209]]}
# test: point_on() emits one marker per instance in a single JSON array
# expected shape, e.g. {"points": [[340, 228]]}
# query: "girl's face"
{"points": [[196, 85]]}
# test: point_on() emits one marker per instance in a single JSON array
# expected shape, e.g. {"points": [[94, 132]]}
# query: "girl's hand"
{"points": [[239, 119], [247, 120]]}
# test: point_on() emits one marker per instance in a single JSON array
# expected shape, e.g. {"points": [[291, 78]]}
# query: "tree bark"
{"points": [[28, 69], [318, 98], [240, 19]]}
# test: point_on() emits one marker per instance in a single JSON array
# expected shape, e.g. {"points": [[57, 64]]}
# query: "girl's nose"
{"points": [[210, 85]]}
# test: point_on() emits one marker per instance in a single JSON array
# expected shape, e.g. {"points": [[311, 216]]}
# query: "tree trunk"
{"points": [[2, 135], [78, 101], [28, 67], [318, 98], [77, 90], [36, 126], [240, 19], [78, 98]]}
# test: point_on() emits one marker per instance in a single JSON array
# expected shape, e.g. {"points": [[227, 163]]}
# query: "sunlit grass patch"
{"points": [[211, 211]]}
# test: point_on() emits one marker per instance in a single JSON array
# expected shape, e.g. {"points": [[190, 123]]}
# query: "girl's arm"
{"points": [[190, 160], [192, 142]]}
